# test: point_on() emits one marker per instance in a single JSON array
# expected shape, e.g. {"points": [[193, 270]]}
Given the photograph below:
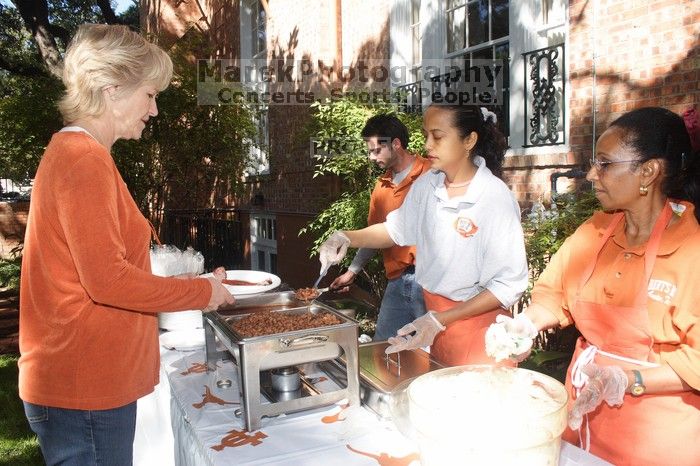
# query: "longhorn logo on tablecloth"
{"points": [[384, 459], [337, 416], [196, 368], [208, 397], [238, 438]]}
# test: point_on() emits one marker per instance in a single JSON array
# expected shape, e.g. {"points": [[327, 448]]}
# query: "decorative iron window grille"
{"points": [[545, 103], [409, 97]]}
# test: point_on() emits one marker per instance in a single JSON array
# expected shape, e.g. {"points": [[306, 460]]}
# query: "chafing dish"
{"points": [[256, 356], [381, 374]]}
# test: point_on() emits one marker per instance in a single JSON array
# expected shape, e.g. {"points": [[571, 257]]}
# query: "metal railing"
{"points": [[410, 97], [216, 233], [545, 96], [11, 191]]}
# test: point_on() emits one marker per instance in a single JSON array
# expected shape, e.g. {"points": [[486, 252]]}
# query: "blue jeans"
{"points": [[76, 437], [402, 303]]}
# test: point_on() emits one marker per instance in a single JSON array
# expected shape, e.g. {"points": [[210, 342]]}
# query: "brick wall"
{"points": [[648, 55], [13, 221], [296, 30]]}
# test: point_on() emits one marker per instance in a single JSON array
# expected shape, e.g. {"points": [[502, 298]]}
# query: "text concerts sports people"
{"points": [[465, 223], [628, 280], [88, 329], [387, 138]]}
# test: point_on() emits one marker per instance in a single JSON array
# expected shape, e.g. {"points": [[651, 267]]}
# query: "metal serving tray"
{"points": [[381, 374], [281, 349]]}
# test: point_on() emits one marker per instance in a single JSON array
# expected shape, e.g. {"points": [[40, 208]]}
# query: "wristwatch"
{"points": [[637, 388]]}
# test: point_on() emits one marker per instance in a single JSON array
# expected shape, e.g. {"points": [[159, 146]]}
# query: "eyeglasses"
{"points": [[601, 165]]}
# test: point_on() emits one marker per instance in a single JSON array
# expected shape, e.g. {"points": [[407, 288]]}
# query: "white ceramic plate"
{"points": [[249, 276], [183, 340]]}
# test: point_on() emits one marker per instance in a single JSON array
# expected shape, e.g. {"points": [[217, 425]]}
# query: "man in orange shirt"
{"points": [[387, 139]]}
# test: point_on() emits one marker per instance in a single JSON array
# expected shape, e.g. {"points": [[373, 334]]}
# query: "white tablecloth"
{"points": [[207, 432]]}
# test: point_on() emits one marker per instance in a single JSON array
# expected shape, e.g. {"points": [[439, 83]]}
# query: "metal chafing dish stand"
{"points": [[255, 357]]}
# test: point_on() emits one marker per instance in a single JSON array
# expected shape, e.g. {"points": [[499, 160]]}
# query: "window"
{"points": [[259, 160], [475, 22], [263, 240], [258, 29], [478, 30], [254, 50]]}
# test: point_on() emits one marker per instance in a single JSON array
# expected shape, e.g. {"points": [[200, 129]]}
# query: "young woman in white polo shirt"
{"points": [[465, 223]]}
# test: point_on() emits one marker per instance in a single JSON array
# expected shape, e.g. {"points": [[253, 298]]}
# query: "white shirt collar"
{"points": [[476, 187]]}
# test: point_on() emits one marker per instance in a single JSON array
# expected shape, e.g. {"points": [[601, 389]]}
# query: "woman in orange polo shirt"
{"points": [[627, 279], [88, 333]]}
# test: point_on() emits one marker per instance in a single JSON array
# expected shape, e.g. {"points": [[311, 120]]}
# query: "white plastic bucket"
{"points": [[484, 415]]}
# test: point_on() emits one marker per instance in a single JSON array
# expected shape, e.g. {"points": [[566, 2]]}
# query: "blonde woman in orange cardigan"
{"points": [[88, 300]]}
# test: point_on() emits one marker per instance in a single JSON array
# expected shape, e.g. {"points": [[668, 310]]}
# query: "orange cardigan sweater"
{"points": [[88, 329]]}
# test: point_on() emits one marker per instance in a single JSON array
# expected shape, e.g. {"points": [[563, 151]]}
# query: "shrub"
{"points": [[545, 232], [10, 272]]}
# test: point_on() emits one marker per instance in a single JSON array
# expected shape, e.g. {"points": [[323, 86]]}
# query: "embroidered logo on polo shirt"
{"points": [[465, 227], [661, 291]]}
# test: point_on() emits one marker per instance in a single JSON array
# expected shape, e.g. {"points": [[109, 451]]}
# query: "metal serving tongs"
{"points": [[320, 277]]}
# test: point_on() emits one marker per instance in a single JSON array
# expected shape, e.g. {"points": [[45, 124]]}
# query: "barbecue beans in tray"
{"points": [[277, 313], [268, 322]]}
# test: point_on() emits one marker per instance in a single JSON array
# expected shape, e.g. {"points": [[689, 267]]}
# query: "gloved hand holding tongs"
{"points": [[332, 252]]}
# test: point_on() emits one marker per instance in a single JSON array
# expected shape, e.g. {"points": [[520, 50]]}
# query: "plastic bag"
{"points": [[167, 260]]}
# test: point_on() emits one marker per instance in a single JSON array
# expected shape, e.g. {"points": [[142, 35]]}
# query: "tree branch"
{"points": [[108, 12], [22, 69]]}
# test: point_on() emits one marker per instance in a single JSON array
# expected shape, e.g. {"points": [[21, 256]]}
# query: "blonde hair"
{"points": [[101, 55]]}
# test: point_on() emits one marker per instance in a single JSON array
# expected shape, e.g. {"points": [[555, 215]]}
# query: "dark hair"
{"points": [[386, 127], [657, 133], [490, 143]]}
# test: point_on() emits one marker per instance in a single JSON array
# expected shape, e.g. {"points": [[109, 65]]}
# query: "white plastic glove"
{"points": [[426, 327], [605, 383], [333, 250], [510, 338]]}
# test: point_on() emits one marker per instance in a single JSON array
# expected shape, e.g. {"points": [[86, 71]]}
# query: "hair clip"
{"points": [[489, 115], [683, 161]]}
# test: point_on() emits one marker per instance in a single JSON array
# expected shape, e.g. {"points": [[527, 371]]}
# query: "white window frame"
{"points": [[263, 238], [416, 41], [536, 29]]}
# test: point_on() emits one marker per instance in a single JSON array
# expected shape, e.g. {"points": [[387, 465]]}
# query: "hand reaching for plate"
{"points": [[220, 296]]}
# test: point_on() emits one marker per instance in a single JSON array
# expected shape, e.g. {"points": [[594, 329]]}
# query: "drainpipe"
{"points": [[573, 173], [595, 57], [339, 32]]}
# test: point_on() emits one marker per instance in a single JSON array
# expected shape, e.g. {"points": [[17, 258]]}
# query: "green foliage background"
{"points": [[195, 149]]}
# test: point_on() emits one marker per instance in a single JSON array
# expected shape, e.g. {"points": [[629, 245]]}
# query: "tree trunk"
{"points": [[35, 14], [108, 12]]}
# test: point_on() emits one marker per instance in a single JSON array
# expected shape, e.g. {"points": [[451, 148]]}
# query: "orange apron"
{"points": [[645, 430], [462, 342]]}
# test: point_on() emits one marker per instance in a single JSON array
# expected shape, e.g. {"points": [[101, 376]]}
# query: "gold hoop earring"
{"points": [[643, 190]]}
